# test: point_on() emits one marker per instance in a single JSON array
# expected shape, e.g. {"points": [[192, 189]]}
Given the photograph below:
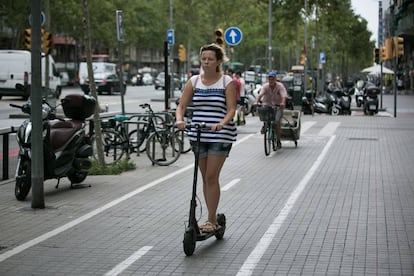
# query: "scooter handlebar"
{"points": [[201, 126]]}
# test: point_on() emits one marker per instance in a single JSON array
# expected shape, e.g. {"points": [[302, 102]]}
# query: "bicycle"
{"points": [[182, 134], [267, 116], [115, 139], [162, 146], [146, 125]]}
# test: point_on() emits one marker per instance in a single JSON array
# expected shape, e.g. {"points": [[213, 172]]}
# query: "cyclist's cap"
{"points": [[271, 74]]}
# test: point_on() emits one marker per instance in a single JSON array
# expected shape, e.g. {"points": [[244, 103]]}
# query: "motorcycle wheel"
{"points": [[334, 111], [77, 177], [23, 180]]}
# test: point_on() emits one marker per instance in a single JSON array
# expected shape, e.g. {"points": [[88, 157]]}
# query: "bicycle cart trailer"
{"points": [[290, 125]]}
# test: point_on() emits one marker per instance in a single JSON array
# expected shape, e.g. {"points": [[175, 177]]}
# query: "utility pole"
{"points": [[305, 78], [172, 88], [37, 165], [270, 36]]}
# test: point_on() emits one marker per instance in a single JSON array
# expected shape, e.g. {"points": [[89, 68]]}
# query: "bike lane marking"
{"points": [[20, 248], [230, 184], [307, 125], [329, 129], [129, 261], [261, 247]]}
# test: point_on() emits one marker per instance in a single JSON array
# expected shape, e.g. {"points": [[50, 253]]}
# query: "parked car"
{"points": [[108, 83], [15, 68], [159, 81], [101, 70], [64, 78], [147, 79], [136, 79], [194, 71]]}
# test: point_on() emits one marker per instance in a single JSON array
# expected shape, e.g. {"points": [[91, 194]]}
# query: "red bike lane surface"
{"points": [[12, 153]]}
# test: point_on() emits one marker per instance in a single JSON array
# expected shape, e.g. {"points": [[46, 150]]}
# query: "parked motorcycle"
{"points": [[359, 93], [249, 99], [321, 104], [307, 102], [66, 147], [343, 101], [370, 103]]}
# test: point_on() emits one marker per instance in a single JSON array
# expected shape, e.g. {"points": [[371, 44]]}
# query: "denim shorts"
{"points": [[278, 116], [212, 149]]}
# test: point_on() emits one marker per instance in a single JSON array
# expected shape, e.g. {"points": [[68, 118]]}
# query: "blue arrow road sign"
{"points": [[42, 19], [322, 58], [170, 37], [233, 36]]}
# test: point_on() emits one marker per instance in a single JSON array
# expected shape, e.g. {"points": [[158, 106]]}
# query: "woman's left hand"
{"points": [[217, 127]]}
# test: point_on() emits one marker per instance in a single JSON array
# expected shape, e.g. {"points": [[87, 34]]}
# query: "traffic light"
{"points": [[219, 37], [386, 50], [383, 53], [302, 59], [377, 55], [47, 42], [398, 46], [27, 38], [182, 56]]}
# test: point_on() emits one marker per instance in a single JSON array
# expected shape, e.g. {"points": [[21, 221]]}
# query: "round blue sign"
{"points": [[233, 36], [42, 19]]}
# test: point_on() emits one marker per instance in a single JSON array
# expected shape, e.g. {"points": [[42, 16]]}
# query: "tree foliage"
{"points": [[331, 24]]}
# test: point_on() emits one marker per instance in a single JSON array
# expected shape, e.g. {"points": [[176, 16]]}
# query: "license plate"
{"points": [[372, 107]]}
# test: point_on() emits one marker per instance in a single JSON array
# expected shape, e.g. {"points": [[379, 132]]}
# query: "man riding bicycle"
{"points": [[274, 94]]}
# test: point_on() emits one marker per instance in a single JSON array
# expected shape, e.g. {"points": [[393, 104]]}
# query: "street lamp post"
{"points": [[270, 35]]}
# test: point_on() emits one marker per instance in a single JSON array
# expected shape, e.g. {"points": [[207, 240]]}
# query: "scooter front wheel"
{"points": [[189, 242], [23, 180]]}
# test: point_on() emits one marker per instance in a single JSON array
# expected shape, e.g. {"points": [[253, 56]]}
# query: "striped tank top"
{"points": [[210, 108]]}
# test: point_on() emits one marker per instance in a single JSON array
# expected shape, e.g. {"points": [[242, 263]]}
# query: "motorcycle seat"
{"points": [[62, 131]]}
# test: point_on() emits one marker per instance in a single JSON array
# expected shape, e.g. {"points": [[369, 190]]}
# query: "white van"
{"points": [[15, 67], [100, 70]]}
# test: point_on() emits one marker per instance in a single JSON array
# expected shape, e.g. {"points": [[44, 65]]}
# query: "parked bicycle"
{"points": [[182, 134], [162, 146], [115, 139], [267, 116]]}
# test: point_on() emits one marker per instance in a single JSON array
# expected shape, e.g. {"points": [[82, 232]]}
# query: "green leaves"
{"points": [[334, 26]]}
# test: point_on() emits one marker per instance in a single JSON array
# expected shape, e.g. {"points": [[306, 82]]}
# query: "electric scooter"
{"points": [[192, 232]]}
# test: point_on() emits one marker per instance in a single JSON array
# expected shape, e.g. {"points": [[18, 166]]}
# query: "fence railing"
{"points": [[5, 134]]}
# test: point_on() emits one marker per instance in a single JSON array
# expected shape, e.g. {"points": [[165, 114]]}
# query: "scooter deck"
{"points": [[204, 236]]}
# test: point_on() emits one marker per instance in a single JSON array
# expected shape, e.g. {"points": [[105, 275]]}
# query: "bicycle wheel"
{"points": [[136, 139], [267, 139], [183, 136], [113, 145], [163, 148]]}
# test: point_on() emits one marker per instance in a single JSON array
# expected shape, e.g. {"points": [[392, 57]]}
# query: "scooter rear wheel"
{"points": [[221, 220], [189, 242], [77, 177]]}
